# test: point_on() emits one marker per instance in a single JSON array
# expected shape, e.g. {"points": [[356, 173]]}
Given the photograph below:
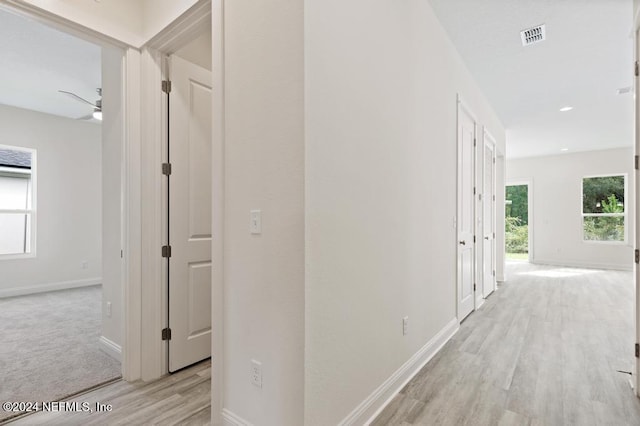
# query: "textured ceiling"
{"points": [[587, 57], [37, 61]]}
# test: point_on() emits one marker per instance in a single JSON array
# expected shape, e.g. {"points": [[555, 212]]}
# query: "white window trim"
{"points": [[624, 214], [33, 173]]}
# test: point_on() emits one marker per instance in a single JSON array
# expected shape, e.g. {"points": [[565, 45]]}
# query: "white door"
{"points": [[488, 217], [189, 213], [466, 214]]}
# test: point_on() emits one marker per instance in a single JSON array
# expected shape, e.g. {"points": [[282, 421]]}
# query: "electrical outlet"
{"points": [[405, 326], [256, 373], [109, 309]]}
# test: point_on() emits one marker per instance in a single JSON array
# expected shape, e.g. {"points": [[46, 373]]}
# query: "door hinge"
{"points": [[166, 169], [474, 190], [494, 198], [474, 142], [636, 161], [166, 334], [480, 197], [637, 71], [121, 254], [474, 286], [474, 239], [494, 273], [637, 350], [637, 256], [494, 160], [166, 86], [166, 251]]}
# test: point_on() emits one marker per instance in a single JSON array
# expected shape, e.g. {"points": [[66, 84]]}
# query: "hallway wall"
{"points": [[381, 85], [557, 208]]}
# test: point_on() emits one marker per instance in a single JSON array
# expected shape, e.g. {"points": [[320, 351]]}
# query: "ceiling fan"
{"points": [[97, 106]]}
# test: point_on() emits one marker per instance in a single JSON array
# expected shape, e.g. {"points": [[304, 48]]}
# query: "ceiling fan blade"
{"points": [[78, 98]]}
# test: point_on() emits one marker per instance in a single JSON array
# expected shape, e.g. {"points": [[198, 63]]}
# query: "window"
{"points": [[17, 200], [603, 210]]}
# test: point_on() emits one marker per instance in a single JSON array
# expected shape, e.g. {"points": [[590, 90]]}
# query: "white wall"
{"points": [[130, 22], [381, 84], [264, 169], [112, 132], [68, 201], [557, 208], [158, 14], [198, 50]]}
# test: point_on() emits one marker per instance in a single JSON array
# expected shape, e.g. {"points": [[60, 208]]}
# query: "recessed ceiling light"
{"points": [[564, 149], [565, 109]]}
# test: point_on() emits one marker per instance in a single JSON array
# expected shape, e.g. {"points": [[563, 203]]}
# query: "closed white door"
{"points": [[466, 214], [488, 217], [189, 214]]}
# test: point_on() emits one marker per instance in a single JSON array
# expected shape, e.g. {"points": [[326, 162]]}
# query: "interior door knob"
{"points": [[463, 242], [486, 238]]}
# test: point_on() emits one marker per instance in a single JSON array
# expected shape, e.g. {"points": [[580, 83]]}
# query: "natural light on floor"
{"points": [[560, 272]]}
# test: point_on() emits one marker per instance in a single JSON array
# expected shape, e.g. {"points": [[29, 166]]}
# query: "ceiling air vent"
{"points": [[533, 35]]}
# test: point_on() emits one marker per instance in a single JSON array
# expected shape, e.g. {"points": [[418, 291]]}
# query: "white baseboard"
{"points": [[42, 288], [231, 419], [585, 265], [368, 409], [112, 349]]}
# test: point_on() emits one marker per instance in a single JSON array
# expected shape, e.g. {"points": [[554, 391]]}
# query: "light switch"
{"points": [[255, 225]]}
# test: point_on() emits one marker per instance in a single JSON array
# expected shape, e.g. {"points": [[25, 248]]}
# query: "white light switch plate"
{"points": [[255, 222]]}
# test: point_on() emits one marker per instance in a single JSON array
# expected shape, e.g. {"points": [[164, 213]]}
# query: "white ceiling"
{"points": [[587, 56], [37, 61]]}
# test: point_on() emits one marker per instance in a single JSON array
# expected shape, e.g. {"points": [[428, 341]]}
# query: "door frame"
{"points": [[129, 108], [154, 184], [529, 183], [635, 381], [489, 140], [462, 106]]}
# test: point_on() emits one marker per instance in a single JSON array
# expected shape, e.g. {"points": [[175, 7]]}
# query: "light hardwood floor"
{"points": [[183, 398], [543, 350]]}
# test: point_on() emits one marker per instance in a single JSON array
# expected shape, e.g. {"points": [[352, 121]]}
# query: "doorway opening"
{"points": [[60, 195], [189, 201], [516, 224]]}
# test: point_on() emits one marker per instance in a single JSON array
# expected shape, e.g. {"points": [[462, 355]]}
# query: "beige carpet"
{"points": [[49, 346]]}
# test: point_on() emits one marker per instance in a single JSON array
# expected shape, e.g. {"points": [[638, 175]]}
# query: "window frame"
{"points": [[7, 171], [624, 214]]}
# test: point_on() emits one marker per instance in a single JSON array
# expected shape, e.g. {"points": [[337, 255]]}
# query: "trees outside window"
{"points": [[517, 222], [603, 208]]}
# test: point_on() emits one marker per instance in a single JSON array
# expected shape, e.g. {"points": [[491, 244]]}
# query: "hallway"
{"points": [[542, 350]]}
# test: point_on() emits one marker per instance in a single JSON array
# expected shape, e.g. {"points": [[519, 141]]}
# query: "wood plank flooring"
{"points": [[183, 398], [543, 350]]}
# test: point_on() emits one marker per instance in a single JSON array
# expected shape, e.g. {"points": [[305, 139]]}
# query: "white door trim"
{"points": [[636, 365], [217, 252], [153, 316], [131, 285]]}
